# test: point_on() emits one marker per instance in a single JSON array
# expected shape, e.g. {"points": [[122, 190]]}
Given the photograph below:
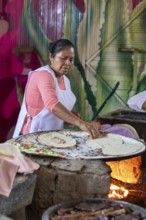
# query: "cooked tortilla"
{"points": [[56, 140], [8, 149], [109, 139], [113, 145], [122, 149]]}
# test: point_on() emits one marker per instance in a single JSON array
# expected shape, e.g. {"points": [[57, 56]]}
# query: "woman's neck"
{"points": [[60, 80]]}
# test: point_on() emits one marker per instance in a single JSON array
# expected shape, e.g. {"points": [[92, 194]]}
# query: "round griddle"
{"points": [[80, 150]]}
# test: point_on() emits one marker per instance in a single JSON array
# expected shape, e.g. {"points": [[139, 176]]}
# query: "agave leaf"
{"points": [[67, 22], [89, 32], [38, 37], [70, 31], [137, 35], [114, 65], [89, 38], [77, 86]]}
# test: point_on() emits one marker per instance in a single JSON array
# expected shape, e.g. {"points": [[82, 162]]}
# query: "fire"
{"points": [[117, 192], [127, 171]]}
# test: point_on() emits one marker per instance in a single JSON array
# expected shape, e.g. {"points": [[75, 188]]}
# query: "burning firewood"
{"points": [[130, 186], [134, 193], [138, 189]]}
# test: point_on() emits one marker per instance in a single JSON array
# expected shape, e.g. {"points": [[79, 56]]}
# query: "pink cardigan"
{"points": [[40, 93]]}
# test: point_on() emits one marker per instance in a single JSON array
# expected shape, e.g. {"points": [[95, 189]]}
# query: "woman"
{"points": [[48, 99]]}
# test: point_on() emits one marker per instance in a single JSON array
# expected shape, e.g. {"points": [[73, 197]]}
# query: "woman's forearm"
{"points": [[67, 116], [92, 127]]}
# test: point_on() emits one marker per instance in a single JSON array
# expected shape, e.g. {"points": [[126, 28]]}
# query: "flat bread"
{"points": [[122, 149], [56, 140], [113, 145], [109, 140], [7, 149]]}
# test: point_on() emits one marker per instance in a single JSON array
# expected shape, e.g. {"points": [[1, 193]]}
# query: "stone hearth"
{"points": [[61, 180]]}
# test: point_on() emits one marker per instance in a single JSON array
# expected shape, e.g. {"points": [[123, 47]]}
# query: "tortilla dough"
{"points": [[113, 145], [8, 149], [56, 140]]}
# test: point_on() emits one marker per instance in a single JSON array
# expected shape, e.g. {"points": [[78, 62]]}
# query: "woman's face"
{"points": [[62, 62]]}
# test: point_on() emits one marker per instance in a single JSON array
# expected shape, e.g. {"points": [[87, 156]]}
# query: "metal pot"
{"points": [[51, 211]]}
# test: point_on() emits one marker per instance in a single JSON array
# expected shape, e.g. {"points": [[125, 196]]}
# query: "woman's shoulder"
{"points": [[42, 73], [42, 70]]}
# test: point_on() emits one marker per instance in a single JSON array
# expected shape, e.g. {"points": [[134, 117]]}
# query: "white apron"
{"points": [[45, 120]]}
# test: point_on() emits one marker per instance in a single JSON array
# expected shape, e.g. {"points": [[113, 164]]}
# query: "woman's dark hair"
{"points": [[59, 45]]}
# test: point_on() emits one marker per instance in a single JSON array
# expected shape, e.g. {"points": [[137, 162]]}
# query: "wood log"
{"points": [[136, 192], [129, 186]]}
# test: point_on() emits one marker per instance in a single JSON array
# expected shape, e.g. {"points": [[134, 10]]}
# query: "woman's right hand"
{"points": [[94, 128]]}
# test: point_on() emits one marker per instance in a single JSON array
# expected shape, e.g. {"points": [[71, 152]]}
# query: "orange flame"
{"points": [[128, 171], [117, 192]]}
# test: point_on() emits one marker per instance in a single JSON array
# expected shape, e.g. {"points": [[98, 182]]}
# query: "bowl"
{"points": [[53, 210]]}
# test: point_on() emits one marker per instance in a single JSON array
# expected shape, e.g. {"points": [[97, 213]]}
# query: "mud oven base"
{"points": [[61, 180]]}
